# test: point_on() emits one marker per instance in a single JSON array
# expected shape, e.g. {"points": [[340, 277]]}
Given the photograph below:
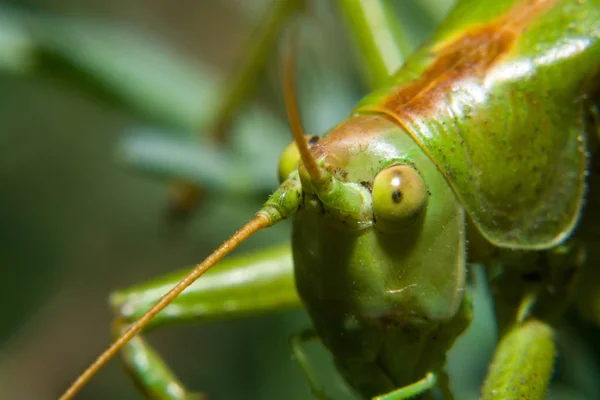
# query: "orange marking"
{"points": [[469, 56], [351, 136]]}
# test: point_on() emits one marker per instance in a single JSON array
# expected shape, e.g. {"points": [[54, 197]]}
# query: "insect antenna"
{"points": [[293, 111], [274, 211], [260, 221]]}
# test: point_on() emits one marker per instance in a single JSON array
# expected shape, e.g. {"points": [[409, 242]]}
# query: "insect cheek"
{"points": [[399, 198], [288, 162]]}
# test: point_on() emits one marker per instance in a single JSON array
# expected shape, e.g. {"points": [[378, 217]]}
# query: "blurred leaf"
{"points": [[135, 70], [248, 166], [16, 45], [131, 67], [197, 162], [435, 10]]}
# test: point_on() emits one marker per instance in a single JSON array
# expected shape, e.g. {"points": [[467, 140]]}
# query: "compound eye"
{"points": [[399, 197], [290, 157]]}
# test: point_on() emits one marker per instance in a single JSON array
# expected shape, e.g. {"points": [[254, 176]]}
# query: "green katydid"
{"points": [[385, 203]]}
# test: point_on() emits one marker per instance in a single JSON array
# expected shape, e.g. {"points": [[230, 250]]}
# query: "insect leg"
{"points": [[536, 285], [258, 283], [297, 342], [523, 363], [427, 383], [437, 377], [532, 292]]}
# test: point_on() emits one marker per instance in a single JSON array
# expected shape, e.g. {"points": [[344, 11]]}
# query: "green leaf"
{"points": [[131, 67]]}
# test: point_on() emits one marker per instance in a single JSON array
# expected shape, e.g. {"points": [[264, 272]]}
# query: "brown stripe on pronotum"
{"points": [[470, 55]]}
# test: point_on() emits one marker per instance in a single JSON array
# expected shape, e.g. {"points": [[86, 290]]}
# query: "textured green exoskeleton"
{"points": [[373, 294], [481, 138], [518, 175]]}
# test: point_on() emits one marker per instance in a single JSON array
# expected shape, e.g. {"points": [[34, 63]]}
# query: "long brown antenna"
{"points": [[257, 223], [291, 105]]}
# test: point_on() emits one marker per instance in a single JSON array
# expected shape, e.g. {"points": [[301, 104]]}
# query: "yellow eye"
{"points": [[399, 197], [288, 161]]}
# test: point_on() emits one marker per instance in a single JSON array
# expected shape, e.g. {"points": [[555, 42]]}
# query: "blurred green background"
{"points": [[86, 88]]}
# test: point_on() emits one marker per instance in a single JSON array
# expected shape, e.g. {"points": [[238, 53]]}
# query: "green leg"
{"points": [[443, 383], [297, 341], [259, 283], [410, 391], [532, 292], [523, 363], [447, 334], [536, 285], [382, 43], [149, 372]]}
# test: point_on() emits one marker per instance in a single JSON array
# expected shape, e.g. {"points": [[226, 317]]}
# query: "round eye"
{"points": [[399, 197], [288, 161]]}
